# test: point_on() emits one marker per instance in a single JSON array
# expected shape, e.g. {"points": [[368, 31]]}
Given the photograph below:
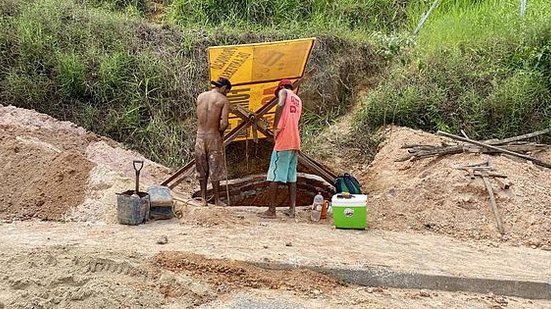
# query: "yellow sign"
{"points": [[255, 70]]}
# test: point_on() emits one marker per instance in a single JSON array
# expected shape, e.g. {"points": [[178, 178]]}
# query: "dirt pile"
{"points": [[55, 170], [44, 168], [227, 275], [431, 195]]}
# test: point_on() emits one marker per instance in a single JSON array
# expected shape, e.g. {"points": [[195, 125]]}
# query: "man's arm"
{"points": [[282, 96], [224, 116]]}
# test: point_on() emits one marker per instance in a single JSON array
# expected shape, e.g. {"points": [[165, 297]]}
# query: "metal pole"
{"points": [[522, 8], [425, 16]]}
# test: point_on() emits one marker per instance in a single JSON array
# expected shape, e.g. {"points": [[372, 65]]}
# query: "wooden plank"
{"points": [[499, 149], [172, 181], [518, 138], [493, 204]]}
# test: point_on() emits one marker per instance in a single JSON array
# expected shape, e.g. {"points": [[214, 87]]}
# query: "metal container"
{"points": [[132, 209], [133, 205], [161, 203]]}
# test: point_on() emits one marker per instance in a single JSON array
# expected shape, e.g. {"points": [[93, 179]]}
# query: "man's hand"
{"points": [[276, 132]]}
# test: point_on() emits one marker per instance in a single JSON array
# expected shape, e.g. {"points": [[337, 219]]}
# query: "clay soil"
{"points": [[431, 195]]}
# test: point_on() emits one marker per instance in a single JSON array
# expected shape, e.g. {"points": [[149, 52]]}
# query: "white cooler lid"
{"points": [[355, 200]]}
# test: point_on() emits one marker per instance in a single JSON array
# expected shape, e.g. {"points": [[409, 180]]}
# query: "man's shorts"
{"points": [[209, 156], [283, 166]]}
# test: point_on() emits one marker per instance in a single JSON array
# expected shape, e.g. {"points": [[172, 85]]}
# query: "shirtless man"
{"points": [[212, 121]]}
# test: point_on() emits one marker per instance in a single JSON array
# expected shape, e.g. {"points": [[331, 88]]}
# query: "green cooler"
{"points": [[349, 213]]}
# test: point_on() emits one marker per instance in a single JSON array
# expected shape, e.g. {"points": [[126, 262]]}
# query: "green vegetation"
{"points": [[102, 65], [131, 69], [294, 16], [477, 66]]}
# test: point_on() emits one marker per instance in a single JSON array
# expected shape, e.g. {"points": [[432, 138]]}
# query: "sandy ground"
{"points": [[82, 265], [53, 170], [432, 195]]}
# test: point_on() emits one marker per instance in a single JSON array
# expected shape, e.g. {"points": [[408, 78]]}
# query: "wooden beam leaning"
{"points": [[493, 203], [173, 180], [499, 149], [518, 138]]}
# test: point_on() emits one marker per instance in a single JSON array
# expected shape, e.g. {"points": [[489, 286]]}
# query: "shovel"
{"points": [[137, 163]]}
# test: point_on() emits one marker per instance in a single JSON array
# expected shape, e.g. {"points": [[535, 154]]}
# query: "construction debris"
{"points": [[512, 146], [482, 171]]}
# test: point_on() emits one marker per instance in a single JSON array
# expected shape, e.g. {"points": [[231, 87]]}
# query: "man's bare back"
{"points": [[212, 120], [212, 113]]}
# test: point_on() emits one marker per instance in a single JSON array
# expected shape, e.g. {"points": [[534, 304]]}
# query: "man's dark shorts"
{"points": [[209, 152]]}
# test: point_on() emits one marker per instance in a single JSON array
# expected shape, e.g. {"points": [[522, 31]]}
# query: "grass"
{"points": [[105, 67], [477, 66]]}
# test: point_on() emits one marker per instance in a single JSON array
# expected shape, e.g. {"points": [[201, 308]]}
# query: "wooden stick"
{"points": [[476, 173], [518, 138], [493, 204], [499, 149], [475, 168]]}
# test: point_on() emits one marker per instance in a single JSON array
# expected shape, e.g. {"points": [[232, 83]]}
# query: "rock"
{"points": [[289, 244], [369, 290], [317, 292], [424, 293], [162, 240], [265, 247]]}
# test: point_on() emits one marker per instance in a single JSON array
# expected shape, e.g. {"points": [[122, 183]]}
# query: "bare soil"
{"points": [[230, 275], [54, 170], [431, 195], [83, 265], [44, 170]]}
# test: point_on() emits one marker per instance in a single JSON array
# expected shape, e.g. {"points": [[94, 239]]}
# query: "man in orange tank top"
{"points": [[284, 161]]}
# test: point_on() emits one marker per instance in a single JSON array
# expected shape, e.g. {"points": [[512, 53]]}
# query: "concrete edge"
{"points": [[380, 276]]}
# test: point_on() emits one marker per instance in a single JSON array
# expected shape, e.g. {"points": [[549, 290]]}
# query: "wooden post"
{"points": [[493, 203]]}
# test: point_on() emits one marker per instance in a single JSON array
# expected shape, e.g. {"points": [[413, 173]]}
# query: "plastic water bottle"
{"points": [[316, 207]]}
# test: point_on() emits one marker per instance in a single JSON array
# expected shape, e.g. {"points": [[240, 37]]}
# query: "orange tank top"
{"points": [[289, 134]]}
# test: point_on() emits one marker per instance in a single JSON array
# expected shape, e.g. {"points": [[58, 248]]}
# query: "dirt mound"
{"points": [[431, 195], [44, 168], [210, 216], [228, 275], [55, 170]]}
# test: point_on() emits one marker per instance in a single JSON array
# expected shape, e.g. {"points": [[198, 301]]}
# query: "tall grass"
{"points": [[477, 66], [298, 16], [111, 71], [107, 71]]}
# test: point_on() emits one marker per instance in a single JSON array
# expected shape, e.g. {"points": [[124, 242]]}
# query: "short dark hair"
{"points": [[221, 82]]}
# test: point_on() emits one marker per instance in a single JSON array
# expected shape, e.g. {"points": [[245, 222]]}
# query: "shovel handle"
{"points": [[135, 163]]}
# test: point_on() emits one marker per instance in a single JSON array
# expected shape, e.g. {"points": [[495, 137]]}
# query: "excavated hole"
{"points": [[253, 191]]}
